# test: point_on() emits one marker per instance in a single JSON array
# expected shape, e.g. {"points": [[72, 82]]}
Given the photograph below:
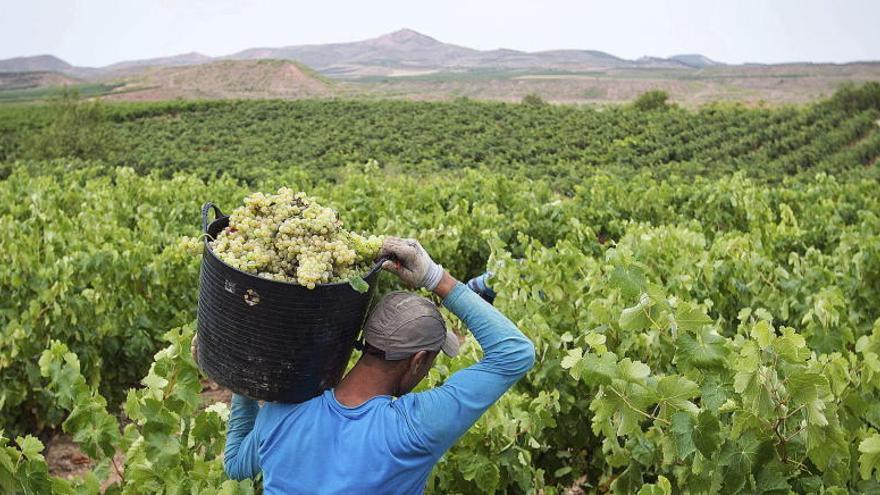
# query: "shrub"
{"points": [[855, 98], [534, 100], [652, 100]]}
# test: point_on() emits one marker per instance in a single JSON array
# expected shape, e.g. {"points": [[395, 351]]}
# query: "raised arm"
{"points": [[240, 456], [441, 415]]}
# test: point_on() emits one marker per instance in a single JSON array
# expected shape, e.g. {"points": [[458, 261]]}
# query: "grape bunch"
{"points": [[291, 238]]}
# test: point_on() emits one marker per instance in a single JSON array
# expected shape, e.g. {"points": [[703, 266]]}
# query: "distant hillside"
{"points": [[408, 49], [38, 63], [593, 58], [408, 64], [696, 60], [225, 79], [659, 63], [192, 58], [402, 53], [35, 79], [401, 48]]}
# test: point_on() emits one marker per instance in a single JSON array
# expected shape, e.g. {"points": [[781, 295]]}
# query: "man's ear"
{"points": [[417, 362]]}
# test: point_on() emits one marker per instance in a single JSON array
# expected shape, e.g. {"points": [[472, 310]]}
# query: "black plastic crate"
{"points": [[272, 340]]}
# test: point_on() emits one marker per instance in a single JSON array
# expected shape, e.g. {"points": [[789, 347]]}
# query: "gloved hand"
{"points": [[480, 285], [411, 263]]}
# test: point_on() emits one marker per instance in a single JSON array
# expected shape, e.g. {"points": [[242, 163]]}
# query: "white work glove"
{"points": [[411, 263]]}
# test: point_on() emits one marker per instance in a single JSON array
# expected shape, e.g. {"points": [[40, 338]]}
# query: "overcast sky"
{"points": [[100, 32]]}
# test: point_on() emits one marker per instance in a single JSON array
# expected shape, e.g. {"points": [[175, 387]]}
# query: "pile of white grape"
{"points": [[291, 238]]}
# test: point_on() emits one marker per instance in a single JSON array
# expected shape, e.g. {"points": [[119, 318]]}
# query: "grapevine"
{"points": [[701, 286]]}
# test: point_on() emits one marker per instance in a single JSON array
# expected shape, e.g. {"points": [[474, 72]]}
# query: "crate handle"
{"points": [[217, 214], [378, 264]]}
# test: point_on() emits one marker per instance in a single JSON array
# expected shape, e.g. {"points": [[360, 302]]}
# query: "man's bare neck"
{"points": [[363, 383]]}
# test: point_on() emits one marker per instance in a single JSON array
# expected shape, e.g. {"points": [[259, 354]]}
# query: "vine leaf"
{"points": [[690, 317], [676, 392], [706, 349], [869, 460], [31, 447], [707, 434], [630, 280], [359, 284], [682, 427]]}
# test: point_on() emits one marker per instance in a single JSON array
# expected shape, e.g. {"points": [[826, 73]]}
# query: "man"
{"points": [[357, 438]]}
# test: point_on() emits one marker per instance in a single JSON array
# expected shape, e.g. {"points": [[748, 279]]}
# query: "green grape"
{"points": [[289, 237], [191, 245]]}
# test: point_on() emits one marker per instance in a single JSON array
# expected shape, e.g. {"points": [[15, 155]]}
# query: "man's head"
{"points": [[402, 336]]}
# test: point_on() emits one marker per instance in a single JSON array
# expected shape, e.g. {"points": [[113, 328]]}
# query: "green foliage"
{"points": [[697, 330], [94, 263], [169, 446], [254, 140], [26, 94], [855, 98], [651, 100], [679, 386], [77, 129]]}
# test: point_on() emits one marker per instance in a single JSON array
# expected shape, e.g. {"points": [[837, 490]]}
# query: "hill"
{"points": [[408, 64], [695, 60], [399, 53], [38, 63], [192, 58], [401, 48], [225, 79], [34, 79], [407, 49]]}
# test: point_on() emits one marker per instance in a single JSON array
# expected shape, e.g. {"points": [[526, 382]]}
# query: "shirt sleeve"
{"points": [[441, 415], [241, 456]]}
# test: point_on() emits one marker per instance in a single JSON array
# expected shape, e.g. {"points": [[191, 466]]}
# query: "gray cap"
{"points": [[404, 323]]}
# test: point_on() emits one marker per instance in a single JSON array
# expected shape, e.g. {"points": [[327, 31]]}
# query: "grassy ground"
{"points": [[35, 94]]}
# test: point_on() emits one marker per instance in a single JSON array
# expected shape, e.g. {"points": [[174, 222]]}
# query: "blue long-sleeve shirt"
{"points": [[383, 445]]}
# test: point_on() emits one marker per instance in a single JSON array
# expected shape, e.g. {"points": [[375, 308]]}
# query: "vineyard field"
{"points": [[702, 287], [556, 143]]}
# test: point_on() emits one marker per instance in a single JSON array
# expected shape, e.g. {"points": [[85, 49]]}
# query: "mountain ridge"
{"points": [[401, 49]]}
